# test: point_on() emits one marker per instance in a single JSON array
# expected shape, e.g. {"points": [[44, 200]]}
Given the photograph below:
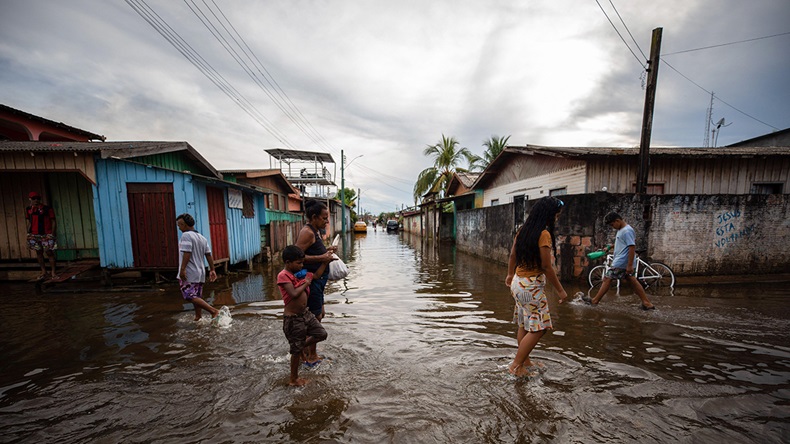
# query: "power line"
{"points": [[629, 31], [302, 124], [383, 182], [398, 179], [277, 85], [717, 97], [641, 63], [171, 36], [725, 44]]}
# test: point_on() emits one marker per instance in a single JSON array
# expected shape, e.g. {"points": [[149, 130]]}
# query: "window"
{"points": [[558, 191], [267, 201], [248, 207], [494, 202], [767, 188]]}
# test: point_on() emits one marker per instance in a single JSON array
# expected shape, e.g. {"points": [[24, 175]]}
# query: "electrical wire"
{"points": [[629, 31], [377, 177], [397, 179], [717, 97], [641, 63], [302, 124], [205, 68], [725, 44], [277, 86]]}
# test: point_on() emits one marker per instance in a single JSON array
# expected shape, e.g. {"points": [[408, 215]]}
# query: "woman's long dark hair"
{"points": [[541, 217], [313, 208]]}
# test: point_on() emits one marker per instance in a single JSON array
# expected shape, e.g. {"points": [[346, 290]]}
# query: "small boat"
{"points": [[360, 227]]}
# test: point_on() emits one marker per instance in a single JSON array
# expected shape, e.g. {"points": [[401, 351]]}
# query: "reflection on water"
{"points": [[419, 340]]}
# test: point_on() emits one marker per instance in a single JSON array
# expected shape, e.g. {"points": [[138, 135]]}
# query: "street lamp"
{"points": [[343, 192]]}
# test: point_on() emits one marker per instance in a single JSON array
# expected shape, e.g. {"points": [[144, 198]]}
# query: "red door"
{"points": [[152, 217], [217, 224]]}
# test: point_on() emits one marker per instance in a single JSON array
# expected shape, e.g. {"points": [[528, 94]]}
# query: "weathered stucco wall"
{"points": [[486, 232], [693, 234], [724, 234]]}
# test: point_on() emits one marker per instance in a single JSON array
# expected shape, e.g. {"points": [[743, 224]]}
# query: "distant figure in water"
{"points": [[529, 267], [300, 325], [41, 227], [192, 247]]}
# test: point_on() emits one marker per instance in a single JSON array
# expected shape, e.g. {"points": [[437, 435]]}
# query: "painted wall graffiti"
{"points": [[730, 228]]}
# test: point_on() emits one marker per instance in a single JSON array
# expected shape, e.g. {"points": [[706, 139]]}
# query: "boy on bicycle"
{"points": [[623, 262]]}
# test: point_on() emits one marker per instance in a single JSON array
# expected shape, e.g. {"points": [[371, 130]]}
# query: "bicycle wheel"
{"points": [[596, 275], [658, 275]]}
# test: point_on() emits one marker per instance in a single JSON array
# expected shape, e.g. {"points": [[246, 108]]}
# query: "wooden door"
{"points": [[218, 224], [152, 217]]}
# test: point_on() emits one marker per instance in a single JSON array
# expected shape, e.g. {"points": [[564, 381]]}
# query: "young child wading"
{"points": [[300, 326], [530, 262]]}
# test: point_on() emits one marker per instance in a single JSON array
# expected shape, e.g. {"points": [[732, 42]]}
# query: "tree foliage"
{"points": [[494, 146], [447, 157]]}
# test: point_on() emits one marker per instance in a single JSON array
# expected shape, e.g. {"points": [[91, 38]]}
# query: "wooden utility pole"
{"points": [[647, 117]]}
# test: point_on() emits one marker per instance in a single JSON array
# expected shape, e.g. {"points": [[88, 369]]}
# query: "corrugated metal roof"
{"points": [[582, 152], [50, 146], [121, 150], [282, 154]]}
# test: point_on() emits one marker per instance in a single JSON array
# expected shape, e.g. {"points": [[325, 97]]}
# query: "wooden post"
{"points": [[647, 118]]}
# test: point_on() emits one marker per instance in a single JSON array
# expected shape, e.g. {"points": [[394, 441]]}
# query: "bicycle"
{"points": [[654, 274]]}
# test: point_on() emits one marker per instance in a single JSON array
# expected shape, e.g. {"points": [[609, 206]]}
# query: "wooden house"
{"points": [[460, 188], [117, 202], [17, 125], [281, 213], [63, 177], [530, 172]]}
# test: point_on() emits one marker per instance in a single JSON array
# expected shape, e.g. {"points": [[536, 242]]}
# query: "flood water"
{"points": [[418, 348]]}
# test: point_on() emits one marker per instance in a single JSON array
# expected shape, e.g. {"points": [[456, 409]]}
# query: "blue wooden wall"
{"points": [[111, 206]]}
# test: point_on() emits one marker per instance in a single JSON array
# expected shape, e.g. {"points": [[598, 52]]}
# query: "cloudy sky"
{"points": [[382, 80]]}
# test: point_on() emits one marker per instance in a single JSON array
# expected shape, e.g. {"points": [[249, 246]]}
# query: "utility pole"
{"points": [[647, 118], [343, 197]]}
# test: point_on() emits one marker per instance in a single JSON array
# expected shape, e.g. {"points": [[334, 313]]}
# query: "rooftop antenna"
{"points": [[717, 130], [708, 120]]}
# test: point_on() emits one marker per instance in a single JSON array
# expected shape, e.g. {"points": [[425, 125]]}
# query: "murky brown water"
{"points": [[419, 341]]}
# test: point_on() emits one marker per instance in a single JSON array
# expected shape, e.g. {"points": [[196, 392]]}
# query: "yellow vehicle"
{"points": [[360, 227]]}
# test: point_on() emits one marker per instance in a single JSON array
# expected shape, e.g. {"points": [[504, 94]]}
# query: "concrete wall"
{"points": [[412, 223], [486, 232], [693, 234]]}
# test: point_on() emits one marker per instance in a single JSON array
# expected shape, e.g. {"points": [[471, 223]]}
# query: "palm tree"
{"points": [[494, 146], [446, 157]]}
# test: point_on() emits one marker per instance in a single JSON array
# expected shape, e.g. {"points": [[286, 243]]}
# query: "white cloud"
{"points": [[385, 79]]}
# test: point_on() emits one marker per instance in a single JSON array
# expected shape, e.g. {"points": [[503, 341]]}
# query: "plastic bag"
{"points": [[337, 269]]}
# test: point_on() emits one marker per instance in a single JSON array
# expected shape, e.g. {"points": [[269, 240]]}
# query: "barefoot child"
{"points": [[192, 247], [530, 262], [300, 325]]}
